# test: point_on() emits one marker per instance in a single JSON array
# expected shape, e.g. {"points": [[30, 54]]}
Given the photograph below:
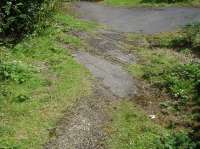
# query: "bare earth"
{"points": [[83, 125]]}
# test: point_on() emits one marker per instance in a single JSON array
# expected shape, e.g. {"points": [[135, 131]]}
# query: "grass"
{"points": [[39, 81], [133, 3], [132, 129], [123, 2], [155, 61], [174, 72]]}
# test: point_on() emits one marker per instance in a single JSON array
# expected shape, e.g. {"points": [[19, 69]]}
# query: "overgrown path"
{"points": [[83, 127]]}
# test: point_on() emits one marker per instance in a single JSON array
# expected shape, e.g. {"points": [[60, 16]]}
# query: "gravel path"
{"points": [[145, 20], [83, 125]]}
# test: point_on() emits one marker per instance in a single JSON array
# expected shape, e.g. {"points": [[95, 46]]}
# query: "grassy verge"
{"points": [[166, 62], [39, 79], [132, 129], [151, 3]]}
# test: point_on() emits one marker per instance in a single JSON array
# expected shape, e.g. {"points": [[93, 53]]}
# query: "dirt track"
{"points": [[83, 125], [142, 20]]}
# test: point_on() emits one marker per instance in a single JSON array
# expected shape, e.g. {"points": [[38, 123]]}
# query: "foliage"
{"points": [[14, 71], [179, 140], [183, 81], [188, 38], [163, 68], [17, 17]]}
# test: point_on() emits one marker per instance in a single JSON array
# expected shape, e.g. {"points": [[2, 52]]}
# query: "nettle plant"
{"points": [[14, 71]]}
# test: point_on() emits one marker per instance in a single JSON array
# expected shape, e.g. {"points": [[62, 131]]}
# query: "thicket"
{"points": [[19, 17]]}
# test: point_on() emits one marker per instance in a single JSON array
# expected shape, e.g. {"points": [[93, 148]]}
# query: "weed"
{"points": [[21, 98], [14, 71], [187, 38], [180, 140], [182, 81]]}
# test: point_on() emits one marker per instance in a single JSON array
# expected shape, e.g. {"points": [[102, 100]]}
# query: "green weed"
{"points": [[15, 71]]}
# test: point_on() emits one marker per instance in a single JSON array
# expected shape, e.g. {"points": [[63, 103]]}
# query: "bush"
{"points": [[18, 17]]}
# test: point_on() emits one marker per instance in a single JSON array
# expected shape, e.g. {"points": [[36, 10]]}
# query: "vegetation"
{"points": [[22, 16], [39, 80], [131, 3], [131, 128], [172, 72], [185, 40], [38, 76]]}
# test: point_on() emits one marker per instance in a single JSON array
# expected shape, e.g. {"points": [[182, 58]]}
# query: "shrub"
{"points": [[18, 17]]}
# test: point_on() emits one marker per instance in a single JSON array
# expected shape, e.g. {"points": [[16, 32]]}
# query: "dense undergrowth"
{"points": [[170, 62]]}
